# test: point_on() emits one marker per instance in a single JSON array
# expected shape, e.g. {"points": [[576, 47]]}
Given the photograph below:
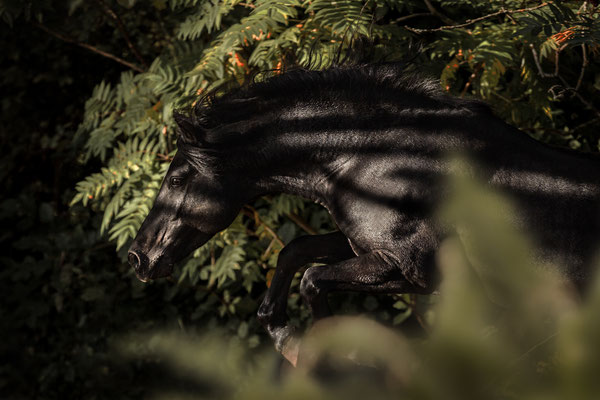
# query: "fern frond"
{"points": [[342, 16], [207, 18]]}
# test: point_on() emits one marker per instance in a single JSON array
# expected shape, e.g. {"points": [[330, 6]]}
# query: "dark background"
{"points": [[67, 294]]}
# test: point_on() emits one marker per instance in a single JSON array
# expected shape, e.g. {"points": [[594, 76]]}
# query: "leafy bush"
{"points": [[68, 293], [130, 125], [530, 339]]}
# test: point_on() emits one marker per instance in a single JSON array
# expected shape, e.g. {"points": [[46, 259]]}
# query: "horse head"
{"points": [[189, 208]]}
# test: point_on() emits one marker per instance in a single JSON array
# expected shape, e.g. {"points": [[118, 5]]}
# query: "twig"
{"points": [[88, 47], [580, 97], [537, 345], [413, 308], [536, 59], [296, 219], [438, 14], [556, 132], [411, 16], [121, 28], [470, 81], [252, 213], [508, 100], [512, 364], [567, 87], [301, 223], [268, 250], [512, 20], [163, 157], [160, 156], [468, 22], [585, 124], [583, 66]]}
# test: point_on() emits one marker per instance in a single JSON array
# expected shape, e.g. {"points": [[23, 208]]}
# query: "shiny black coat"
{"points": [[372, 145]]}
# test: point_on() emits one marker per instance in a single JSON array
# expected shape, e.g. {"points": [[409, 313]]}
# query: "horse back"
{"points": [[391, 187]]}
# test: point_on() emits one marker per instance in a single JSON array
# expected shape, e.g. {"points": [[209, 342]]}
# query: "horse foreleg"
{"points": [[373, 272], [328, 248]]}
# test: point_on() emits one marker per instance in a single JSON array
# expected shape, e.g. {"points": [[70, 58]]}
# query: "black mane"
{"points": [[216, 117]]}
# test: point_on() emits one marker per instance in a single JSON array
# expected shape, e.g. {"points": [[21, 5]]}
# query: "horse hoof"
{"points": [[281, 336]]}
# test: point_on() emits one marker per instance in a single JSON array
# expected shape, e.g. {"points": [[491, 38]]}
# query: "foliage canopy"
{"points": [[129, 125], [535, 62]]}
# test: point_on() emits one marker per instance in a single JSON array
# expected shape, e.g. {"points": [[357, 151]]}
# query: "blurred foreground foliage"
{"points": [[88, 90], [516, 333]]}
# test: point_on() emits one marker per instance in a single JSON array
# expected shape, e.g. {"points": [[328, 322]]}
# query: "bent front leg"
{"points": [[375, 272], [328, 248]]}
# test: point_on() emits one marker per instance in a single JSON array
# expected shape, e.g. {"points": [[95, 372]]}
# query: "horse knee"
{"points": [[294, 255], [287, 257], [309, 288]]}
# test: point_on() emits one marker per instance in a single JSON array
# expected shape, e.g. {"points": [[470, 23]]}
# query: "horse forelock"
{"points": [[203, 160]]}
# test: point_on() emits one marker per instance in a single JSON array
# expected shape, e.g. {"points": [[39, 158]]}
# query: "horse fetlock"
{"points": [[281, 335], [265, 314], [268, 315], [309, 289], [275, 325]]}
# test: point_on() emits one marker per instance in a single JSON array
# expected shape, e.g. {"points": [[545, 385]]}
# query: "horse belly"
{"points": [[561, 216]]}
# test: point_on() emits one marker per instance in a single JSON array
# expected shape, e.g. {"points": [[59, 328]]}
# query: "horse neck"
{"points": [[291, 153]]}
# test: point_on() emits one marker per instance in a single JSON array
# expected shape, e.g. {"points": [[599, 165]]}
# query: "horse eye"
{"points": [[176, 181]]}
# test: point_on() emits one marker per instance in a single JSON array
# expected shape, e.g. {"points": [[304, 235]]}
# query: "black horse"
{"points": [[370, 143]]}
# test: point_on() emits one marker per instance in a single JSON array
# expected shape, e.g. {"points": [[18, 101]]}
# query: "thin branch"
{"points": [[512, 20], [583, 66], [412, 305], [471, 78], [534, 131], [586, 124], [411, 16], [164, 157], [580, 97], [301, 223], [96, 50], [537, 345], [566, 85], [556, 62], [252, 213], [536, 59], [509, 100], [557, 58], [268, 250], [296, 219], [121, 28], [438, 14], [468, 22]]}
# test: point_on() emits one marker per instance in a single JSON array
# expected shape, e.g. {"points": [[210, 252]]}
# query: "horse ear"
{"points": [[187, 130]]}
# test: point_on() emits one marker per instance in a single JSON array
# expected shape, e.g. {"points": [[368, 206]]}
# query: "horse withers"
{"points": [[370, 143]]}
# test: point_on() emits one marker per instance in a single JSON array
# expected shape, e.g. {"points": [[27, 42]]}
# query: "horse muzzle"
{"points": [[143, 270]]}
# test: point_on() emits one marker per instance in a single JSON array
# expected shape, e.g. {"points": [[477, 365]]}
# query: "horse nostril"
{"points": [[134, 260]]}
